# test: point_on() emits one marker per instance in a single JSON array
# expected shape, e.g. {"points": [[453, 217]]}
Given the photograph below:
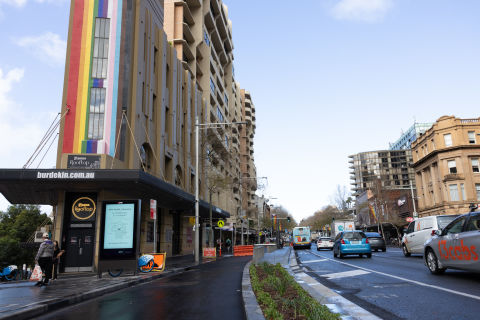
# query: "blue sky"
{"points": [[329, 78]]}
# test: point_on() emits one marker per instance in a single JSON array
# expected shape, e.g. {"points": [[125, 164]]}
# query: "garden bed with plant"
{"points": [[281, 297]]}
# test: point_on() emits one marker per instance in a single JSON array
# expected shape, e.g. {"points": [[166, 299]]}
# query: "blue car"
{"points": [[351, 242]]}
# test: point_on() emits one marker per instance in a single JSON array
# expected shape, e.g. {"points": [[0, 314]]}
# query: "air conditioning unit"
{"points": [[38, 236]]}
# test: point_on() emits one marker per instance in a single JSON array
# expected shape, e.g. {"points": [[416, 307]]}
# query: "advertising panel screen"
{"points": [[119, 232], [119, 226]]}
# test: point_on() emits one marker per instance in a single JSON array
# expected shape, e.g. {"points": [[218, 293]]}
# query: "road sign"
{"points": [[153, 209], [409, 219], [220, 223], [192, 221]]}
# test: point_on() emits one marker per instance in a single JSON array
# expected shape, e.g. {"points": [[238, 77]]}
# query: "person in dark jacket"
{"points": [[44, 259], [57, 253]]}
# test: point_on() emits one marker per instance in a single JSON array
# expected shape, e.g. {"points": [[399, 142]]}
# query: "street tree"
{"points": [[17, 226]]}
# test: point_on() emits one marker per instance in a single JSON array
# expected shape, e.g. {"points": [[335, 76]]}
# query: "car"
{"points": [[457, 246], [376, 241], [422, 229], [324, 243], [351, 242]]}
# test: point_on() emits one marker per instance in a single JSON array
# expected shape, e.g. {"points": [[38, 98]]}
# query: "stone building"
{"points": [[446, 163]]}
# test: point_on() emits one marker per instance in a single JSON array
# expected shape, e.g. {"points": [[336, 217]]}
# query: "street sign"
{"points": [[409, 219], [153, 209], [220, 223], [192, 221]]}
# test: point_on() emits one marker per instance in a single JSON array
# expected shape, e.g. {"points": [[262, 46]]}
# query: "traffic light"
{"points": [[288, 219]]}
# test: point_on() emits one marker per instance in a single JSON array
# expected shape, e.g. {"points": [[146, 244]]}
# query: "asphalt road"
{"points": [[392, 286], [209, 291]]}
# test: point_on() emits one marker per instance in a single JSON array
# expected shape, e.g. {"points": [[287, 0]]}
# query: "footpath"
{"points": [[22, 300]]}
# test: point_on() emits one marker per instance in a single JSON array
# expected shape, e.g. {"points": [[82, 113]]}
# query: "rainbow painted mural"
{"points": [[93, 61]]}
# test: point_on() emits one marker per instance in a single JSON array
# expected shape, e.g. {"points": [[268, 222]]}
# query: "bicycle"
{"points": [[9, 273], [145, 264]]}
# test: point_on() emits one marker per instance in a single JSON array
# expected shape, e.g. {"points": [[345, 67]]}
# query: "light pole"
{"points": [[197, 200]]}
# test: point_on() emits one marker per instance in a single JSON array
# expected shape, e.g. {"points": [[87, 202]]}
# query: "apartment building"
{"points": [[407, 137], [132, 93], [446, 163], [201, 33], [390, 167]]}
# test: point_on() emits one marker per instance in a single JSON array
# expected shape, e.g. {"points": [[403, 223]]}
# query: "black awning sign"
{"points": [[83, 208]]}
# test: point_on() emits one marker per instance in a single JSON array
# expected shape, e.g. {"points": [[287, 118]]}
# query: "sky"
{"points": [[329, 78]]}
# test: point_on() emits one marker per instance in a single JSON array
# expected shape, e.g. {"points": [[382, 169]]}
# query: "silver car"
{"points": [[457, 246]]}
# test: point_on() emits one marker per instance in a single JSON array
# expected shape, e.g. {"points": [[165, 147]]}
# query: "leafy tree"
{"points": [[17, 225]]}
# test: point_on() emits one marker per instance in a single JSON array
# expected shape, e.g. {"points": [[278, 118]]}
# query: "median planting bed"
{"points": [[281, 297]]}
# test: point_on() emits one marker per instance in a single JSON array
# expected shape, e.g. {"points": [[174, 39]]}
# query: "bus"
{"points": [[301, 237]]}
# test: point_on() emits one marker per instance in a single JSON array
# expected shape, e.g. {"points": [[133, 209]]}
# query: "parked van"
{"points": [[422, 229]]}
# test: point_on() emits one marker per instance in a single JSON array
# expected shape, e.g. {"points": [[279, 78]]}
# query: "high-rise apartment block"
{"points": [[446, 163], [407, 137], [138, 75], [389, 167]]}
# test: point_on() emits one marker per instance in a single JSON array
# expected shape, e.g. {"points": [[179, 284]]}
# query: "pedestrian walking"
{"points": [[44, 259], [57, 253]]}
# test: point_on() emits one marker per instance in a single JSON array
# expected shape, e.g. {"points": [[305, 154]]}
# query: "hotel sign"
{"points": [[84, 209], [83, 162]]}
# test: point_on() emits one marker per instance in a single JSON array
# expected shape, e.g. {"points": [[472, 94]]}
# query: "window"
{"points": [[477, 188], [474, 223], [100, 48], [219, 115], [452, 166], [226, 141], [453, 188], [225, 99], [96, 113], [456, 226], [448, 139], [206, 38], [212, 85], [462, 188], [475, 167], [471, 137]]}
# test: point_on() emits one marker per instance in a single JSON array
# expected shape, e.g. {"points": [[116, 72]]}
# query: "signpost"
{"points": [[220, 223], [409, 219], [153, 216]]}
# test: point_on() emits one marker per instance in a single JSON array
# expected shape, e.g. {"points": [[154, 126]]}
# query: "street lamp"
{"points": [[197, 200]]}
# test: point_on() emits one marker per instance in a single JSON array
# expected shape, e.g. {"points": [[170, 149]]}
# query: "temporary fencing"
{"points": [[243, 250]]}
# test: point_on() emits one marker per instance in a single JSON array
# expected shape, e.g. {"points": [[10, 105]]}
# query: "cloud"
{"points": [[362, 10], [48, 47], [15, 3]]}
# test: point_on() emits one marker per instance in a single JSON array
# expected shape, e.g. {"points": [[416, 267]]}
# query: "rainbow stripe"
{"points": [[79, 78]]}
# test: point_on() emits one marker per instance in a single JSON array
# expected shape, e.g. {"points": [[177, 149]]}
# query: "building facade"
{"points": [[132, 93], [385, 169], [406, 139], [446, 163], [201, 33]]}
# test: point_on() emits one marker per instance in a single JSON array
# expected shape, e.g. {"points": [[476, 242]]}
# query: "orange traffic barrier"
{"points": [[243, 250]]}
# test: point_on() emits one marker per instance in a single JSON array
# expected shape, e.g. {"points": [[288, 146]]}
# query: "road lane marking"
{"points": [[339, 275], [311, 261], [404, 279]]}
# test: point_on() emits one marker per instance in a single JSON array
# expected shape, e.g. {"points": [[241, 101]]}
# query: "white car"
{"points": [[324, 243], [422, 229]]}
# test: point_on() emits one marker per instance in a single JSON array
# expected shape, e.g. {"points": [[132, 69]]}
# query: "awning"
{"points": [[42, 186]]}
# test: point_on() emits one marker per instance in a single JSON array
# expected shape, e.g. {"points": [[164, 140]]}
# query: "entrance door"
{"points": [[79, 250]]}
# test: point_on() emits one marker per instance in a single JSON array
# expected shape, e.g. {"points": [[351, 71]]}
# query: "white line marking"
{"points": [[345, 274], [310, 261], [404, 279]]}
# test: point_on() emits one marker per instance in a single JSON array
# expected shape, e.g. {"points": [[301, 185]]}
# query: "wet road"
{"points": [[392, 286], [210, 291]]}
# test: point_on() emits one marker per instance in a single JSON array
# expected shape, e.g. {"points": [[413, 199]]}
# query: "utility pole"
{"points": [[415, 214]]}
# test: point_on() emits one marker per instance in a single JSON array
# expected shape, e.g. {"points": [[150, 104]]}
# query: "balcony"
{"points": [[187, 33], [453, 177], [194, 3], [209, 21]]}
